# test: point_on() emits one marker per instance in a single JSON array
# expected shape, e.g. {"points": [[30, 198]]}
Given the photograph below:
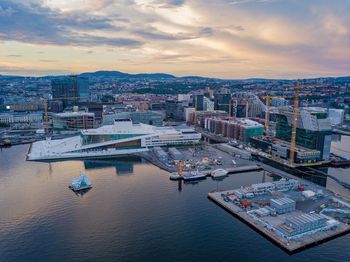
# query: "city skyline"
{"points": [[224, 39]]}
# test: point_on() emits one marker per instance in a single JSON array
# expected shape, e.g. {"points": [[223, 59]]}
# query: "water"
{"points": [[132, 213], [340, 147]]}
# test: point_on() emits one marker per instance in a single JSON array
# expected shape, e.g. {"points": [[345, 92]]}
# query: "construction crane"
{"points": [[267, 116], [229, 107], [46, 117], [267, 113], [294, 124]]}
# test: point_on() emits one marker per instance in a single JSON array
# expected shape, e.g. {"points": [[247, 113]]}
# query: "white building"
{"points": [[184, 97], [188, 112], [336, 116], [14, 118], [121, 138], [208, 105]]}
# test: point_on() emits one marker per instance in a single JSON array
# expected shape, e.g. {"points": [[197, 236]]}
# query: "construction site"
{"points": [[291, 212]]}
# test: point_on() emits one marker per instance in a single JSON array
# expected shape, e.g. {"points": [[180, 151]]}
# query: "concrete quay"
{"points": [[290, 246]]}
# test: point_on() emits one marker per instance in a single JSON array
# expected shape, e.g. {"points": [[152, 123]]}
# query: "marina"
{"points": [[233, 170]]}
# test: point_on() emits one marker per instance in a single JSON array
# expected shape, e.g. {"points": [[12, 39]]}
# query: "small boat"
{"points": [[219, 173], [193, 175], [175, 176], [234, 162], [80, 183]]}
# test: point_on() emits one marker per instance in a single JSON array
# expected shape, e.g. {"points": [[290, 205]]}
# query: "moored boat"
{"points": [[175, 176], [193, 175], [219, 173]]}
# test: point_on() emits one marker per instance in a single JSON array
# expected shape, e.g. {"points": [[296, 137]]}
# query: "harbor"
{"points": [[203, 159]]}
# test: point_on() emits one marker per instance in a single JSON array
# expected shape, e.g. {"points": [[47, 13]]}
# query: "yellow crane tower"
{"points": [[229, 107], [294, 123], [267, 116], [295, 115], [267, 113]]}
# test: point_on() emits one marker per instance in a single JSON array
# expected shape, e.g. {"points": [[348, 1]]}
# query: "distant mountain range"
{"points": [[159, 76], [121, 75]]}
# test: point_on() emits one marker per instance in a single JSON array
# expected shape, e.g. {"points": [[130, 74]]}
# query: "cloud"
{"points": [[230, 38], [41, 25]]}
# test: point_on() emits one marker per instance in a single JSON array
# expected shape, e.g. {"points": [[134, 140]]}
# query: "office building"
{"points": [[174, 110], [280, 148], [208, 105], [73, 121], [70, 89], [223, 102], [199, 102], [313, 128], [65, 89], [247, 104], [83, 89]]}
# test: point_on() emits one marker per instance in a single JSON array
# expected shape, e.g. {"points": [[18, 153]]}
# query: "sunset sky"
{"points": [[216, 38]]}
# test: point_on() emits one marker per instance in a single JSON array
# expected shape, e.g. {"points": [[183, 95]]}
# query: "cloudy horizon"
{"points": [[217, 38]]}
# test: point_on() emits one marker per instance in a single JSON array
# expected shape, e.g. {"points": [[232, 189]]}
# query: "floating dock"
{"points": [[233, 170], [291, 246]]}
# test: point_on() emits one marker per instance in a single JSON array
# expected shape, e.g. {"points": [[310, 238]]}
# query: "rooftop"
{"points": [[283, 201], [72, 114]]}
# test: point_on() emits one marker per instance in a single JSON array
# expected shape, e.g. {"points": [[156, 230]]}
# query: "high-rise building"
{"points": [[208, 105], [174, 110], [199, 102], [66, 89], [55, 106], [222, 102], [247, 104], [313, 128], [83, 89], [70, 89]]}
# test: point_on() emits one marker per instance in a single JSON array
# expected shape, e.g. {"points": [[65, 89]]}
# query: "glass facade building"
{"points": [[313, 129]]}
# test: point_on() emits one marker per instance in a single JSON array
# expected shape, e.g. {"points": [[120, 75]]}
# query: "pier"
{"points": [[232, 170], [291, 246]]}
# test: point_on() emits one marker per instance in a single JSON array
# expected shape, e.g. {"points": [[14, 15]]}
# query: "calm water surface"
{"points": [[132, 213]]}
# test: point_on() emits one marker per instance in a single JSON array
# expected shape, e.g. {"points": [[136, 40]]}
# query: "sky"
{"points": [[230, 39]]}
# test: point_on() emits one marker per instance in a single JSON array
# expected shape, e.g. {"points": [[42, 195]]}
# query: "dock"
{"points": [[288, 245]]}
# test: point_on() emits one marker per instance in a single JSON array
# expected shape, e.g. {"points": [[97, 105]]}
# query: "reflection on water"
{"points": [[141, 217], [81, 192], [123, 165]]}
